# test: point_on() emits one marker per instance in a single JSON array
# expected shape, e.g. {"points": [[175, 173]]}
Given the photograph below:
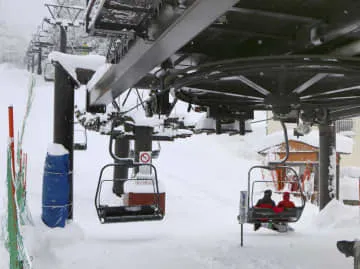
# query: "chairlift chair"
{"points": [[128, 213], [267, 215], [124, 213]]}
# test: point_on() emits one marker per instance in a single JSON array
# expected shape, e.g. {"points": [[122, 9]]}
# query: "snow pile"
{"points": [[349, 188], [350, 171], [44, 243], [210, 124], [337, 215], [57, 150], [350, 183], [343, 144]]}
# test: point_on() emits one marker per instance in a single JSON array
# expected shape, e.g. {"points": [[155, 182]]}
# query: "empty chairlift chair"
{"points": [[129, 213]]}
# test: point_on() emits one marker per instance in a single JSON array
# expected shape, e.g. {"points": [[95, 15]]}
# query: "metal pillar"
{"points": [[64, 114], [143, 140], [337, 196], [32, 63], [357, 254], [39, 69], [122, 147], [327, 164]]}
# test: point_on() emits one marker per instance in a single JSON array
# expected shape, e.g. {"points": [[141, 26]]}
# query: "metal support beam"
{"points": [[357, 254], [171, 30], [275, 15], [236, 30], [39, 69], [327, 164], [122, 148], [337, 180], [64, 114], [32, 63]]}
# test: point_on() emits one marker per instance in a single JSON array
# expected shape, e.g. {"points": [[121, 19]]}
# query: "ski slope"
{"points": [[202, 175]]}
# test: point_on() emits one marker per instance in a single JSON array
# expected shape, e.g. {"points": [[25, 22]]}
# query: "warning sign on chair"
{"points": [[145, 158]]}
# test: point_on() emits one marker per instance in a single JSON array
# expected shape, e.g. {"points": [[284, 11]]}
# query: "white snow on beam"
{"points": [[72, 62]]}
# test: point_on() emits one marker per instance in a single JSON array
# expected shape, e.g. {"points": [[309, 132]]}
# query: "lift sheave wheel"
{"points": [[126, 213]]}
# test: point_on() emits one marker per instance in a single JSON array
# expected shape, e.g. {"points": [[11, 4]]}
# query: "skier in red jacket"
{"points": [[286, 203]]}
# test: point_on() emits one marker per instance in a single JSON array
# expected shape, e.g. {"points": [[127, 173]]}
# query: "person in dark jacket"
{"points": [[265, 202]]}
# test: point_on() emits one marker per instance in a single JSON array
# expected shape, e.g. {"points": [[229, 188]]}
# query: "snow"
{"points": [[330, 217], [98, 75], [210, 124], [343, 144], [203, 175], [57, 150], [350, 185], [350, 171], [71, 62]]}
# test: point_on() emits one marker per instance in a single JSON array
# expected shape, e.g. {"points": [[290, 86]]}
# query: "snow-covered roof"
{"points": [[72, 62], [343, 144]]}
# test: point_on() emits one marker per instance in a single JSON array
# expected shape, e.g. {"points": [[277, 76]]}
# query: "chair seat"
{"points": [[267, 214], [109, 214]]}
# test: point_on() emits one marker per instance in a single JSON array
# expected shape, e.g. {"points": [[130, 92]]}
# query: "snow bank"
{"points": [[71, 62], [349, 188], [337, 215], [343, 144], [42, 241], [57, 150], [350, 171], [4, 261]]}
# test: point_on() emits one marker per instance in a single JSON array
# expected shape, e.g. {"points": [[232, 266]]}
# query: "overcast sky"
{"points": [[23, 15]]}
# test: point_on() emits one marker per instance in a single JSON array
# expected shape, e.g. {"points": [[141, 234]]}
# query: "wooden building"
{"points": [[303, 157]]}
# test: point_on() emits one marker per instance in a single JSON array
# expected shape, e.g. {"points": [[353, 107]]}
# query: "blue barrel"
{"points": [[55, 196]]}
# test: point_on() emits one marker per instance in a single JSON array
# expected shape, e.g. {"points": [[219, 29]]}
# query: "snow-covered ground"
{"points": [[202, 175]]}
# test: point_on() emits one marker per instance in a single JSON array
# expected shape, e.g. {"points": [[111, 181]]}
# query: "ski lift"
{"points": [[129, 213], [268, 215], [49, 72], [80, 132], [124, 213]]}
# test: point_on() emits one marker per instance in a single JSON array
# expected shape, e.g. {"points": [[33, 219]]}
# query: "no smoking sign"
{"points": [[145, 156]]}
